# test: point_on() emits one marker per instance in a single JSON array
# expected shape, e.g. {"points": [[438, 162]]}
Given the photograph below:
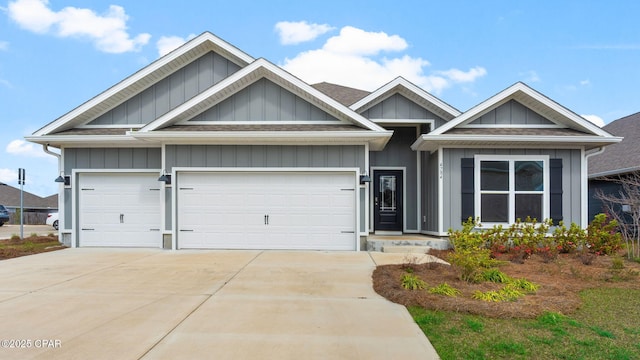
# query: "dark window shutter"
{"points": [[555, 191], [467, 188]]}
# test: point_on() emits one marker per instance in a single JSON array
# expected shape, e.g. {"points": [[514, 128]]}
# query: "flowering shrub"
{"points": [[602, 237], [567, 240]]}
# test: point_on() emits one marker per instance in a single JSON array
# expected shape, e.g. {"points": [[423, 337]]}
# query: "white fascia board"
{"points": [[430, 142], [614, 172], [146, 71], [86, 140], [509, 94], [385, 91], [376, 140]]}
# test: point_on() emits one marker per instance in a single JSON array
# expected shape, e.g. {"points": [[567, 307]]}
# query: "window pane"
{"points": [[529, 176], [494, 175], [529, 205], [388, 193], [494, 208]]}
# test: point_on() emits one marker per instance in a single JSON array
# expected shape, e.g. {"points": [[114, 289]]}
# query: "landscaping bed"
{"points": [[34, 244], [560, 282]]}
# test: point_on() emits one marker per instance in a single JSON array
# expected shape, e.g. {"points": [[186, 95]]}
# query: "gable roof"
{"points": [[623, 157], [582, 132], [412, 92], [342, 94], [362, 129], [144, 78]]}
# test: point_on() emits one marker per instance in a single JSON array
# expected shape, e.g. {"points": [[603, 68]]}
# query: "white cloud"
{"points": [[530, 76], [352, 59], [107, 31], [292, 33], [355, 41], [585, 82], [8, 175], [4, 45], [594, 119], [23, 148], [166, 44]]}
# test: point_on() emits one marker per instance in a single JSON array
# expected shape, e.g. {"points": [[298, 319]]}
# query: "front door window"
{"points": [[388, 192]]}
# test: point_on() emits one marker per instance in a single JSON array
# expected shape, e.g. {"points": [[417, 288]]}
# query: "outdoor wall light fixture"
{"points": [[365, 179], [165, 178], [66, 179]]}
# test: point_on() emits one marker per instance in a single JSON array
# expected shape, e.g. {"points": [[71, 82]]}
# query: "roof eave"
{"points": [[431, 142], [376, 140]]}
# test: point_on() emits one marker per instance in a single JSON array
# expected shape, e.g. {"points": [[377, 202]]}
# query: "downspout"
{"points": [[45, 148], [585, 192]]}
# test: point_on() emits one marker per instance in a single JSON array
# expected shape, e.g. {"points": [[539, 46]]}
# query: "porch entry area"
{"points": [[388, 194]]}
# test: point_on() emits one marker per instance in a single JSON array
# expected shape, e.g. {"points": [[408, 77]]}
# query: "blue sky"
{"points": [[55, 55]]}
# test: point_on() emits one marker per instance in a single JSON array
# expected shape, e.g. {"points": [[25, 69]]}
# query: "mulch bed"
{"points": [[560, 283]]}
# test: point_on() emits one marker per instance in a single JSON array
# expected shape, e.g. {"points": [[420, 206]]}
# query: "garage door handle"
{"points": [[154, 229], [348, 232], [83, 229], [266, 219], [121, 218], [187, 230], [347, 189]]}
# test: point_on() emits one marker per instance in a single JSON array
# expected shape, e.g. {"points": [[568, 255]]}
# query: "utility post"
{"points": [[21, 179]]}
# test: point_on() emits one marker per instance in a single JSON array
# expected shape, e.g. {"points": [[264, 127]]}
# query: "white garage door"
{"points": [[119, 210], [266, 210]]}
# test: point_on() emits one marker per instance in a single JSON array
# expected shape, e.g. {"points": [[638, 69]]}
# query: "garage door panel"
{"points": [[119, 209], [228, 210]]}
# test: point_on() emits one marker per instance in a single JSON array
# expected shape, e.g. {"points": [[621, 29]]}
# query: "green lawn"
{"points": [[606, 327]]}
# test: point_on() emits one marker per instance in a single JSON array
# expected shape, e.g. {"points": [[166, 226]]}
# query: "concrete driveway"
{"points": [[159, 304]]}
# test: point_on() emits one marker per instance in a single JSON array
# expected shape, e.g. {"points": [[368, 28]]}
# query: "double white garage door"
{"points": [[223, 210]]}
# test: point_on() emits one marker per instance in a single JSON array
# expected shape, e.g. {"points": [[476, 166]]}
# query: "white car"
{"points": [[52, 220]]}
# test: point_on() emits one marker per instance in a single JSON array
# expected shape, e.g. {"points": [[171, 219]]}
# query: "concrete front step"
{"points": [[389, 244], [405, 249]]}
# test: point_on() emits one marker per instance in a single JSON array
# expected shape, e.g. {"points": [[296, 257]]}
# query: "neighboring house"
{"points": [[35, 207], [251, 157], [620, 159]]}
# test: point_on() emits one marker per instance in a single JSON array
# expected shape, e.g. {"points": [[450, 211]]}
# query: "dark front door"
{"points": [[387, 200]]}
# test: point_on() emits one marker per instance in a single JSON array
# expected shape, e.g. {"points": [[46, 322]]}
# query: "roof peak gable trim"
{"points": [[136, 82], [395, 86], [527, 96], [246, 76]]}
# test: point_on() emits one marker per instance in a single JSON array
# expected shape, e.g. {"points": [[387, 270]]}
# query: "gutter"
{"points": [[45, 148]]}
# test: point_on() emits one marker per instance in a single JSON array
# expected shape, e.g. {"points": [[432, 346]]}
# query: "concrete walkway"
{"points": [[158, 304]]}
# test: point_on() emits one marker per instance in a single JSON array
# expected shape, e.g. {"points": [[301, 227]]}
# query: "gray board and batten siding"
{"points": [[398, 153], [170, 92], [511, 113], [571, 183], [264, 100], [398, 107], [430, 175]]}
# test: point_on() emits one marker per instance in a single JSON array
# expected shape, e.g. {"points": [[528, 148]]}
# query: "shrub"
{"points": [[567, 240], [525, 285], [602, 237], [495, 275], [412, 282], [470, 263], [444, 289]]}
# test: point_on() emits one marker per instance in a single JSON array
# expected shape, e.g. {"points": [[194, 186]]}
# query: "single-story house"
{"points": [[35, 207], [615, 161], [210, 148]]}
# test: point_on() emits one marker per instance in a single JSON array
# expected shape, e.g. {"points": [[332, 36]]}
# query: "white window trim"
{"points": [[511, 159]]}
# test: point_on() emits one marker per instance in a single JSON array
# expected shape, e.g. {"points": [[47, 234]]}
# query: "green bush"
{"points": [[567, 240], [495, 275], [602, 237], [444, 289], [412, 282], [471, 263]]}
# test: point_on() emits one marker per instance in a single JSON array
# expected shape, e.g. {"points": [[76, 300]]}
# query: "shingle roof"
{"points": [[517, 131], [10, 197], [622, 157], [342, 94], [259, 127]]}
